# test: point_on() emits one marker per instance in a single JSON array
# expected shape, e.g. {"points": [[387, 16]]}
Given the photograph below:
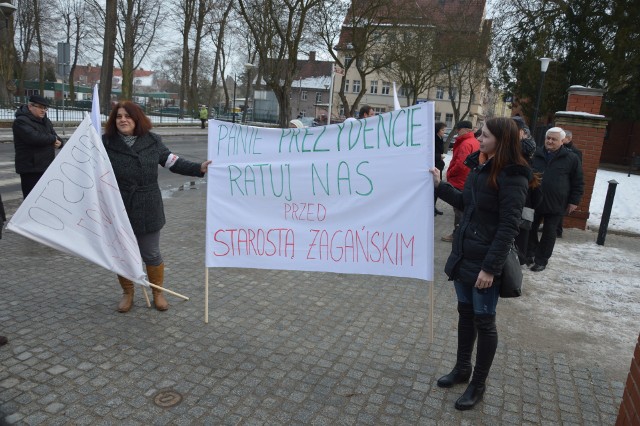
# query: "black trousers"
{"points": [[542, 248], [28, 181]]}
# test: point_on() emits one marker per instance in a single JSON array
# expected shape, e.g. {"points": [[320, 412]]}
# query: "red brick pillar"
{"points": [[588, 127], [629, 413]]}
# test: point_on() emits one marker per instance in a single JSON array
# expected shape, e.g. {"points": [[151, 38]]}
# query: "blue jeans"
{"points": [[484, 301]]}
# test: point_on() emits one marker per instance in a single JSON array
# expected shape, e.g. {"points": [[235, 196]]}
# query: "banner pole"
{"points": [[206, 295], [146, 296], [167, 290], [431, 297]]}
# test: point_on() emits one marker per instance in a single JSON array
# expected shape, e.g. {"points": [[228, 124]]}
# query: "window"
{"points": [[303, 95], [346, 86], [374, 86], [356, 86], [347, 61], [341, 111], [379, 110], [453, 93], [440, 93], [386, 87], [438, 116], [318, 97], [405, 91], [449, 120]]}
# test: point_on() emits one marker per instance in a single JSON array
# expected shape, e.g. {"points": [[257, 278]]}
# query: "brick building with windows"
{"points": [[432, 18]]}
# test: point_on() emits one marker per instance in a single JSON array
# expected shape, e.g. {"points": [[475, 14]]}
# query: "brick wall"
{"points": [[629, 413], [585, 102]]}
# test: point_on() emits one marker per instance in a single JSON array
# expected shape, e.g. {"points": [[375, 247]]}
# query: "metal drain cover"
{"points": [[167, 398]]}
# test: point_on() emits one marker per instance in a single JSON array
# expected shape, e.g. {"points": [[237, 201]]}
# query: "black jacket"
{"points": [[136, 171], [488, 226], [573, 148], [3, 216], [34, 141], [439, 150], [562, 181]]}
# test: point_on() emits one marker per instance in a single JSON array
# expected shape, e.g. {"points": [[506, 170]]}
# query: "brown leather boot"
{"points": [[127, 294], [156, 276]]}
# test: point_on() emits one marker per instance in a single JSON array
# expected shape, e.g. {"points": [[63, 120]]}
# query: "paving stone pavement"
{"points": [[281, 347]]}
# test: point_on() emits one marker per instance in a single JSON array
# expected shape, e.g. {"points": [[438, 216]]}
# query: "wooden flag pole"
{"points": [[206, 295], [146, 296], [167, 290]]}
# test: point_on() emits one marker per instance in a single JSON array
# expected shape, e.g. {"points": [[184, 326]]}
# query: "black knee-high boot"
{"points": [[466, 339], [486, 350]]}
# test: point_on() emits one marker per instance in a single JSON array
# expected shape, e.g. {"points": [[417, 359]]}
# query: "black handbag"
{"points": [[511, 277]]}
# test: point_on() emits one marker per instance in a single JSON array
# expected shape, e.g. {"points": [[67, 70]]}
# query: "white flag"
{"points": [[396, 103], [76, 207], [95, 110]]}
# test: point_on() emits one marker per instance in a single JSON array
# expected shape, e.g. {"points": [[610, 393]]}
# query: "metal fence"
{"points": [[75, 115]]}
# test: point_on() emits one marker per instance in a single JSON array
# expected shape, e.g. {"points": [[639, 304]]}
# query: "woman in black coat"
{"points": [[439, 156], [135, 154], [492, 200]]}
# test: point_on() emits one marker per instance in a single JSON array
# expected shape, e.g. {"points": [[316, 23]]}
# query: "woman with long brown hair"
{"points": [[492, 200], [135, 153]]}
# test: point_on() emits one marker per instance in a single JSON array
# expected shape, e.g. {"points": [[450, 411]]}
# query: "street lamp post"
{"points": [[233, 110], [544, 64]]}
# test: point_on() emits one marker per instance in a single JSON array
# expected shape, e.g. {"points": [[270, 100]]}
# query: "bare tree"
{"points": [[204, 8], [277, 26], [187, 10], [105, 21], [467, 70], [37, 25], [73, 13], [363, 38], [413, 66], [137, 25], [217, 30], [25, 34]]}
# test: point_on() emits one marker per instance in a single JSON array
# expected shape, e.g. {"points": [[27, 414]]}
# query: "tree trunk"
{"points": [[108, 55], [188, 8], [216, 64], [38, 18]]}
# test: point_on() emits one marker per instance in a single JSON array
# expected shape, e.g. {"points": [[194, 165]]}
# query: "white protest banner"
{"points": [[76, 207], [354, 197]]}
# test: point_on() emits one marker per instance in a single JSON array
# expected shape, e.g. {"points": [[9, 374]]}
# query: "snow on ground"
{"points": [[625, 214]]}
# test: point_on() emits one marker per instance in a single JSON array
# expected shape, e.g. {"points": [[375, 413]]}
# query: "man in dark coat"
{"points": [[571, 147], [35, 142], [562, 189]]}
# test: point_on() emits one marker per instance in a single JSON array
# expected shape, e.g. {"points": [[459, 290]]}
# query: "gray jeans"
{"points": [[149, 245]]}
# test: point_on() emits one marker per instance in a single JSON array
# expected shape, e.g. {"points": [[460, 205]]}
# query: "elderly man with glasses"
{"points": [[35, 142]]}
